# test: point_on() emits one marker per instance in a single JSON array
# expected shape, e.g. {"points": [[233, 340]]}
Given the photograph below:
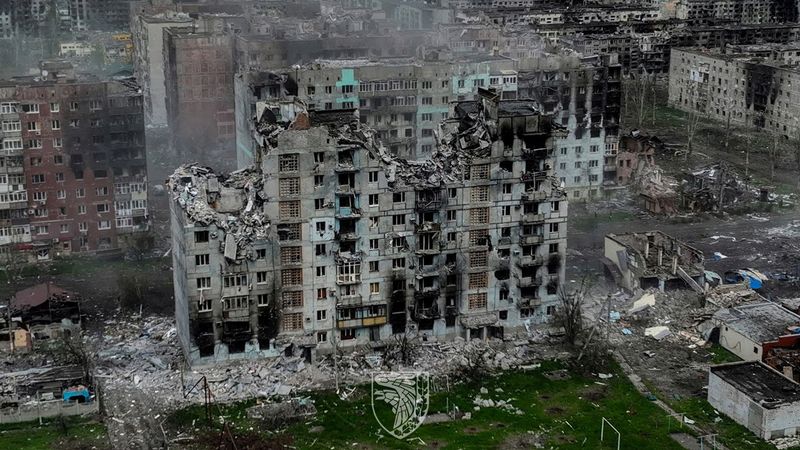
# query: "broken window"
{"points": [[477, 301], [479, 194], [322, 293], [399, 219], [261, 253], [320, 250], [451, 214], [427, 241], [203, 283], [292, 321], [478, 259], [398, 263], [292, 277], [291, 255], [200, 236], [204, 305], [477, 280], [479, 215], [478, 237], [399, 242], [238, 302], [288, 187], [292, 299], [201, 260], [289, 210], [287, 163], [234, 280], [348, 273]]}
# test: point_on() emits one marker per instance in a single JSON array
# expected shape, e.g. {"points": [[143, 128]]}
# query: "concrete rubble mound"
{"points": [[231, 202]]}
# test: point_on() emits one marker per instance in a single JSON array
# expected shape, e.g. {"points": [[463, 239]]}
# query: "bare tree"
{"points": [[692, 117], [569, 313]]}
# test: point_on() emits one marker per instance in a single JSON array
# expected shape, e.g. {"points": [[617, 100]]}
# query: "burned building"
{"points": [[331, 241], [653, 260], [712, 188], [75, 155], [41, 312], [404, 98]]}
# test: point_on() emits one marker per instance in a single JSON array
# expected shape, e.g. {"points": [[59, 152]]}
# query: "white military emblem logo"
{"points": [[407, 393]]}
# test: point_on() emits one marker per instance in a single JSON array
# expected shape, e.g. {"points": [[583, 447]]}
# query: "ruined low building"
{"points": [[40, 312], [712, 188], [757, 397], [653, 259], [747, 330], [331, 241]]}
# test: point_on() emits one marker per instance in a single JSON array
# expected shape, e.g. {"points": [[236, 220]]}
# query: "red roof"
{"points": [[36, 295]]}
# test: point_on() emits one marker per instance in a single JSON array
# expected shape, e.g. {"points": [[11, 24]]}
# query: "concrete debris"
{"points": [[786, 442], [501, 404], [230, 202], [657, 333], [293, 410], [647, 300], [713, 188]]}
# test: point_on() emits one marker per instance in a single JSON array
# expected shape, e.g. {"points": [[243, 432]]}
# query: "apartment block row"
{"points": [[403, 100], [330, 241]]}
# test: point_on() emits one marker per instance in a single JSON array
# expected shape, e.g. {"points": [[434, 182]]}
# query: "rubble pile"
{"points": [[506, 405], [232, 203], [712, 188]]}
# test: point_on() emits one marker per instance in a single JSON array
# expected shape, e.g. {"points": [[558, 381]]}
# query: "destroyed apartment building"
{"points": [[653, 259], [332, 241]]}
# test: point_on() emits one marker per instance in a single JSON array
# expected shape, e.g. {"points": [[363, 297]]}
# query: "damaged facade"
{"points": [[404, 98], [332, 241], [653, 260], [74, 169], [749, 85], [41, 312]]}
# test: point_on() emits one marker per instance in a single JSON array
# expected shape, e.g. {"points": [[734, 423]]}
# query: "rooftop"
{"points": [[759, 382], [760, 322]]}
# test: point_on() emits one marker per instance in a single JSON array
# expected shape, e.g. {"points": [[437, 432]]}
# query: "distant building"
{"points": [[332, 241], [198, 71], [74, 176], [756, 397], [753, 86], [653, 259]]}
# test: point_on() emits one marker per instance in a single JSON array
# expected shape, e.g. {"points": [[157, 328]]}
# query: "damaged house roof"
{"points": [[762, 384], [759, 322], [36, 295]]}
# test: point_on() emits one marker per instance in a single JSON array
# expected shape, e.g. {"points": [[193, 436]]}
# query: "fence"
{"points": [[44, 409]]}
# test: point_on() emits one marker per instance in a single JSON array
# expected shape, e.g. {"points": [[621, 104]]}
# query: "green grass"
{"points": [[586, 222], [722, 355], [731, 434], [79, 433], [568, 413]]}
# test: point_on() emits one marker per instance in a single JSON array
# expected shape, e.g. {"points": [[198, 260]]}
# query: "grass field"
{"points": [[564, 414], [77, 433]]}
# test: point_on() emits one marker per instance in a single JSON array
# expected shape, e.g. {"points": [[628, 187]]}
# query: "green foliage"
{"points": [[65, 433], [569, 411]]}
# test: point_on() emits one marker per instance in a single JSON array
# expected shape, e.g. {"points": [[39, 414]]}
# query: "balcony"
{"points": [[350, 300], [426, 271], [346, 236], [240, 314], [529, 260], [529, 282], [426, 294], [346, 189], [527, 302], [535, 153], [532, 218], [427, 227], [359, 323], [344, 212], [531, 176], [534, 196], [531, 239]]}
